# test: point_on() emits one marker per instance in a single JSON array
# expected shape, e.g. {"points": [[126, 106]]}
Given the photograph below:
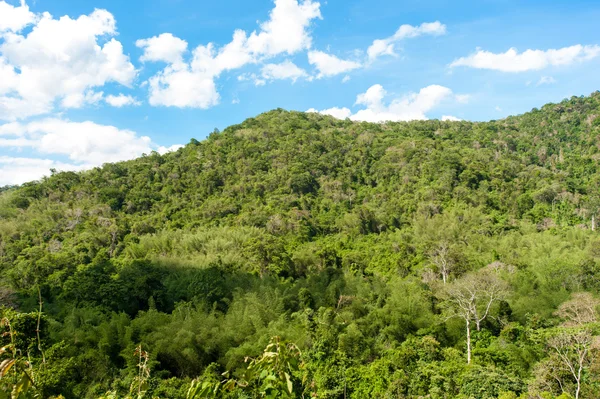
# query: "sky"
{"points": [[87, 82]]}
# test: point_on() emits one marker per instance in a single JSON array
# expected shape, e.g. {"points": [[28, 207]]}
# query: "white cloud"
{"points": [[15, 170], [85, 144], [271, 72], [428, 28], [13, 19], [164, 47], [284, 70], [529, 60], [212, 62], [380, 47], [78, 100], [7, 76], [163, 150], [340, 113], [183, 88], [386, 46], [81, 142], [546, 80], [121, 100], [450, 118], [346, 79], [330, 65], [286, 31], [410, 107], [192, 84], [60, 59], [12, 108]]}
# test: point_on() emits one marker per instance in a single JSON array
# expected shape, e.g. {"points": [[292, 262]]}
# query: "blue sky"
{"points": [[87, 82]]}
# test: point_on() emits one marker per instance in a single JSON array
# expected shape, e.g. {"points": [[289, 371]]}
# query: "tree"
{"points": [[571, 349], [592, 206], [549, 378], [571, 345], [471, 298], [442, 260], [581, 309]]}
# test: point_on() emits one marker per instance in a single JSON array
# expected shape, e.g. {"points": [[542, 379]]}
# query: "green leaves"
{"points": [[274, 374], [333, 234]]}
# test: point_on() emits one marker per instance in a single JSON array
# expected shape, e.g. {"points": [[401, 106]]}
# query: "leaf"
{"points": [[229, 385], [290, 386], [22, 387], [5, 366]]}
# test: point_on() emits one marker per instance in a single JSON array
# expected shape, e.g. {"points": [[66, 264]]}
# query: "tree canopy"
{"points": [[298, 255]]}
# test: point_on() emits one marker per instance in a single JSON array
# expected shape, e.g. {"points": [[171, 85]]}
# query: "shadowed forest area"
{"points": [[296, 255]]}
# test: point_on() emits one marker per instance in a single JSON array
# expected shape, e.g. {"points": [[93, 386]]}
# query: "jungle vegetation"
{"points": [[295, 255]]}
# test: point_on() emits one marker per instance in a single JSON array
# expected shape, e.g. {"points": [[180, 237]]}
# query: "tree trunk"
{"points": [[578, 381], [113, 243], [468, 341]]}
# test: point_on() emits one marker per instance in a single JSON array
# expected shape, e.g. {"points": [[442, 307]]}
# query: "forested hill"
{"points": [[353, 243]]}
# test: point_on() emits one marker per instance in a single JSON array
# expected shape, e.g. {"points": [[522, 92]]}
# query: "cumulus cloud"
{"points": [[81, 142], [183, 88], [78, 100], [413, 106], [121, 100], [450, 118], [59, 59], [18, 170], [192, 83], [410, 107], [163, 150], [164, 47], [529, 60], [340, 113], [284, 70], [386, 46], [15, 18], [286, 31], [330, 65]]}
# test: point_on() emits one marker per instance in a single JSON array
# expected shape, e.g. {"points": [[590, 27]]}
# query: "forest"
{"points": [[296, 255]]}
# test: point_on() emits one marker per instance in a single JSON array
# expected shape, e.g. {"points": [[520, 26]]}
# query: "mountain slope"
{"points": [[291, 218]]}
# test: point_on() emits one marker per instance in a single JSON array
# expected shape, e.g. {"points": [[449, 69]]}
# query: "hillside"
{"points": [[351, 240]]}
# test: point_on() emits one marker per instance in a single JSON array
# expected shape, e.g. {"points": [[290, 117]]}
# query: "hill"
{"points": [[354, 241]]}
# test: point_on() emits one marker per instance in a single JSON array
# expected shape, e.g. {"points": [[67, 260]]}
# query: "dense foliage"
{"points": [[296, 255]]}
